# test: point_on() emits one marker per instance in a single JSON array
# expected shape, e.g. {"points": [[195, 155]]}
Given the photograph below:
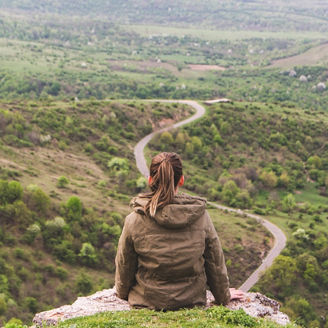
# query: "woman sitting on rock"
{"points": [[169, 250]]}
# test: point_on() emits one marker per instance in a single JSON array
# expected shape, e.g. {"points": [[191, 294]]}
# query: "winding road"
{"points": [[279, 236]]}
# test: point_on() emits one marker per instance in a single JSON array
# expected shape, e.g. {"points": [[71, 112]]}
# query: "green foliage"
{"points": [[141, 183], [10, 191], [37, 199], [84, 284], [3, 304], [166, 139], [88, 254], [281, 277], [14, 323], [74, 208], [288, 203], [269, 179], [118, 166], [62, 182], [229, 193], [300, 309], [31, 304]]}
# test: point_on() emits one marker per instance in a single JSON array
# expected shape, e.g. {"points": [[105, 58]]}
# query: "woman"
{"points": [[169, 250]]}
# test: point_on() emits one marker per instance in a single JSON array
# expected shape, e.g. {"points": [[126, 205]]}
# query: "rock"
{"points": [[303, 78], [292, 73], [321, 86], [254, 304]]}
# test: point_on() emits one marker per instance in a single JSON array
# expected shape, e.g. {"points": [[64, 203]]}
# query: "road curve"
{"points": [[279, 236], [140, 146], [279, 245]]}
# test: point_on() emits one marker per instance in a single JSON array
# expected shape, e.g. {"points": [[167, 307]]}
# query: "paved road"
{"points": [[280, 238], [140, 146]]}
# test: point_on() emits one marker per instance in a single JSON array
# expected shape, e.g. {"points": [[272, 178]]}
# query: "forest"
{"points": [[75, 83]]}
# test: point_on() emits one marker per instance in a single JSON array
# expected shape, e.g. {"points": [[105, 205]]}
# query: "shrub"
{"points": [[62, 182], [288, 203], [64, 251], [31, 232], [37, 199], [74, 208], [31, 304], [229, 193], [88, 254], [20, 254], [14, 323], [118, 166], [3, 304], [84, 284], [10, 191], [54, 228], [61, 273], [269, 179]]}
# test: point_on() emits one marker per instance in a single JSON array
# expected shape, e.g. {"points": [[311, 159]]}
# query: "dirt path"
{"points": [[279, 236]]}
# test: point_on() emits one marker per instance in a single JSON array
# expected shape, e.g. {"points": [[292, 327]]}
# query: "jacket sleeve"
{"points": [[215, 268], [126, 261]]}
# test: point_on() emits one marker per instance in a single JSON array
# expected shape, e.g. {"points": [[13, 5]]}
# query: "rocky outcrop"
{"points": [[254, 304]]}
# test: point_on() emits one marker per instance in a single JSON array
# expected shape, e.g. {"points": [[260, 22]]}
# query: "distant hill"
{"points": [[227, 14]]}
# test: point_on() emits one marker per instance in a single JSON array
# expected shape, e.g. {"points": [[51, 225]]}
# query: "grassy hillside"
{"points": [[274, 161], [67, 174], [66, 177]]}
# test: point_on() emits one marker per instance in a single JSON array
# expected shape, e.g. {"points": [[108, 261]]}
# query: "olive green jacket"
{"points": [[166, 262]]}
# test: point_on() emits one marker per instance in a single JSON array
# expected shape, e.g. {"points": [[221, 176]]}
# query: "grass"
{"points": [[314, 56], [311, 195], [215, 317]]}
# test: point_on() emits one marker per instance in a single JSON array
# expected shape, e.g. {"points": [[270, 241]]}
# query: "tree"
{"points": [[281, 277], [88, 254], [288, 203], [269, 179], [229, 192], [314, 162], [38, 200], [118, 166], [10, 191], [166, 138], [74, 208]]}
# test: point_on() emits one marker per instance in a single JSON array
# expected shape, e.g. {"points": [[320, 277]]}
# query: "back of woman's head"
{"points": [[165, 173]]}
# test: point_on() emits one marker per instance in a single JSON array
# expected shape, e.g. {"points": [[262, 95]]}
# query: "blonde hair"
{"points": [[166, 172]]}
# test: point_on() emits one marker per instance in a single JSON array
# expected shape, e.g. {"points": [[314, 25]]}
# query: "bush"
{"points": [[3, 304], [74, 208], [65, 252], [229, 193], [62, 182], [10, 192], [31, 304], [88, 254], [84, 284], [37, 199], [14, 323], [288, 203], [61, 273], [31, 233]]}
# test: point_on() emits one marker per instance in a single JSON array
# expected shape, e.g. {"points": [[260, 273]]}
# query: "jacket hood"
{"points": [[183, 210]]}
